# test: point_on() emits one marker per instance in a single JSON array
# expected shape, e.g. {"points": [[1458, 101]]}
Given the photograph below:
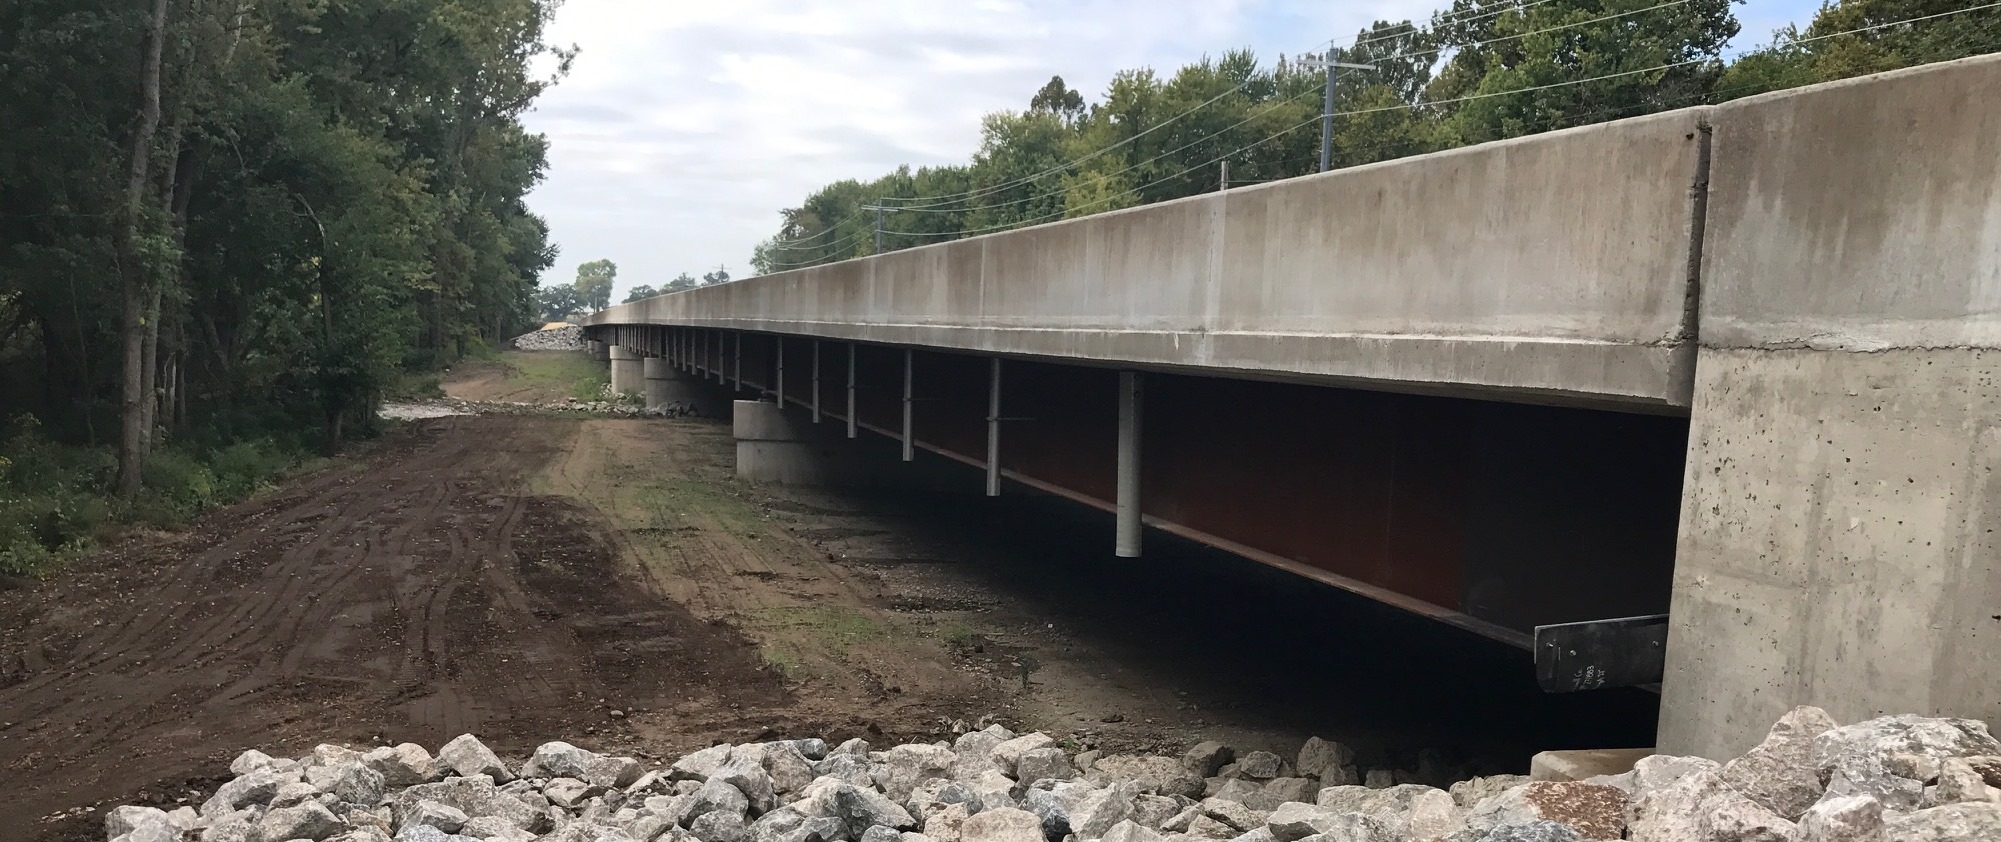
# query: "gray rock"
{"points": [[1047, 806], [1208, 757], [1700, 806], [1237, 789], [499, 830], [475, 796], [356, 783], [366, 834], [1294, 821], [467, 756], [1236, 814], [160, 832], [1130, 831], [993, 788], [1007, 754], [255, 787], [294, 793], [584, 831], [1278, 791], [886, 834], [713, 796], [1957, 822], [1207, 827], [946, 824], [570, 793], [745, 771], [306, 821], [856, 746], [1856, 759], [1092, 812], [932, 796], [812, 748], [1086, 759], [720, 826], [1472, 791], [1043, 764], [253, 760], [860, 809], [405, 764], [1595, 811], [1958, 782], [1849, 818], [774, 824], [1339, 776], [1780, 774], [1150, 811], [1261, 766], [975, 749], [1005, 824], [123, 820], [1318, 756], [240, 826], [1262, 834], [1179, 822], [427, 833], [1357, 827], [1537, 831], [561, 760], [436, 814], [327, 754], [853, 768], [1379, 779], [701, 765], [1163, 775]]}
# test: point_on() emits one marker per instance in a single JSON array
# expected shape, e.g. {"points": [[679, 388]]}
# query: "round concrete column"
{"points": [[626, 375], [597, 350], [673, 392]]}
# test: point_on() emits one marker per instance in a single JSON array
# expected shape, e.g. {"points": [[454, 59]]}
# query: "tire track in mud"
{"points": [[410, 597]]}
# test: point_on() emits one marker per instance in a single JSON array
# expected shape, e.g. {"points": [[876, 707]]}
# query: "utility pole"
{"points": [[1225, 176], [878, 225], [1327, 107]]}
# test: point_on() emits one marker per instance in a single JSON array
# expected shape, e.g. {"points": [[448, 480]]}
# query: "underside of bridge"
{"points": [[1495, 517]]}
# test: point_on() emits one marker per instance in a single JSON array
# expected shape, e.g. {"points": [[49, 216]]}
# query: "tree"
{"points": [[640, 292], [1058, 99], [558, 303], [683, 281], [720, 276], [594, 283]]}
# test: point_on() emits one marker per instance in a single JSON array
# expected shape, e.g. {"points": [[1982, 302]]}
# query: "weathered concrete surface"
{"points": [[784, 448], [1555, 266], [627, 370], [1841, 521]]}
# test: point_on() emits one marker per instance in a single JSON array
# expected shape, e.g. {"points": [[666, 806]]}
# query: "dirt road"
{"points": [[422, 593]]}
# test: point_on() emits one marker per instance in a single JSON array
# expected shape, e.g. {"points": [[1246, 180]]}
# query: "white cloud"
{"points": [[686, 124]]}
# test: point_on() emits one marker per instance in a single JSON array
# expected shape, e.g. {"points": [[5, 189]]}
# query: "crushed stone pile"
{"points": [[564, 338], [1890, 779]]}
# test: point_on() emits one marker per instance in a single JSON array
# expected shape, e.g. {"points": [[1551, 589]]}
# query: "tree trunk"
{"points": [[132, 274]]}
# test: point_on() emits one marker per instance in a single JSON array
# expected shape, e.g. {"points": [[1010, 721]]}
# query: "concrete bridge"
{"points": [[1735, 364]]}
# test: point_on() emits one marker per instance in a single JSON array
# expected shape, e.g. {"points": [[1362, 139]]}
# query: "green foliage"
{"points": [[558, 303], [639, 293], [332, 205], [590, 387], [594, 280], [1510, 68]]}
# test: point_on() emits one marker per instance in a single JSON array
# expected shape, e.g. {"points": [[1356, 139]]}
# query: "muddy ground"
{"points": [[523, 577]]}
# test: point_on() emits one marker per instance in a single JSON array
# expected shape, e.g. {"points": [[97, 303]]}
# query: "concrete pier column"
{"points": [[1131, 408], [598, 350], [626, 374], [789, 449]]}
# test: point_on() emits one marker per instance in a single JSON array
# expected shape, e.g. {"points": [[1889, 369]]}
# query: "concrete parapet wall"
{"points": [[1840, 537], [1555, 265]]}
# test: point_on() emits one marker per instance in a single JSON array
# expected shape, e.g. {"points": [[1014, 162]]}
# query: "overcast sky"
{"points": [[686, 124]]}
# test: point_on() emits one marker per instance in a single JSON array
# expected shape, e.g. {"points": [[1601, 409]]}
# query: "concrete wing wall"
{"points": [[1840, 535], [1554, 265]]}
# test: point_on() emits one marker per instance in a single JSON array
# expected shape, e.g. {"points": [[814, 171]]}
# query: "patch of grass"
{"points": [[590, 387], [414, 385], [957, 637], [781, 661], [835, 626], [671, 499], [574, 373]]}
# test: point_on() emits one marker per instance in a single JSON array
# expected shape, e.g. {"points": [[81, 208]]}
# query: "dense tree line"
{"points": [[1480, 70], [222, 215], [232, 219]]}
